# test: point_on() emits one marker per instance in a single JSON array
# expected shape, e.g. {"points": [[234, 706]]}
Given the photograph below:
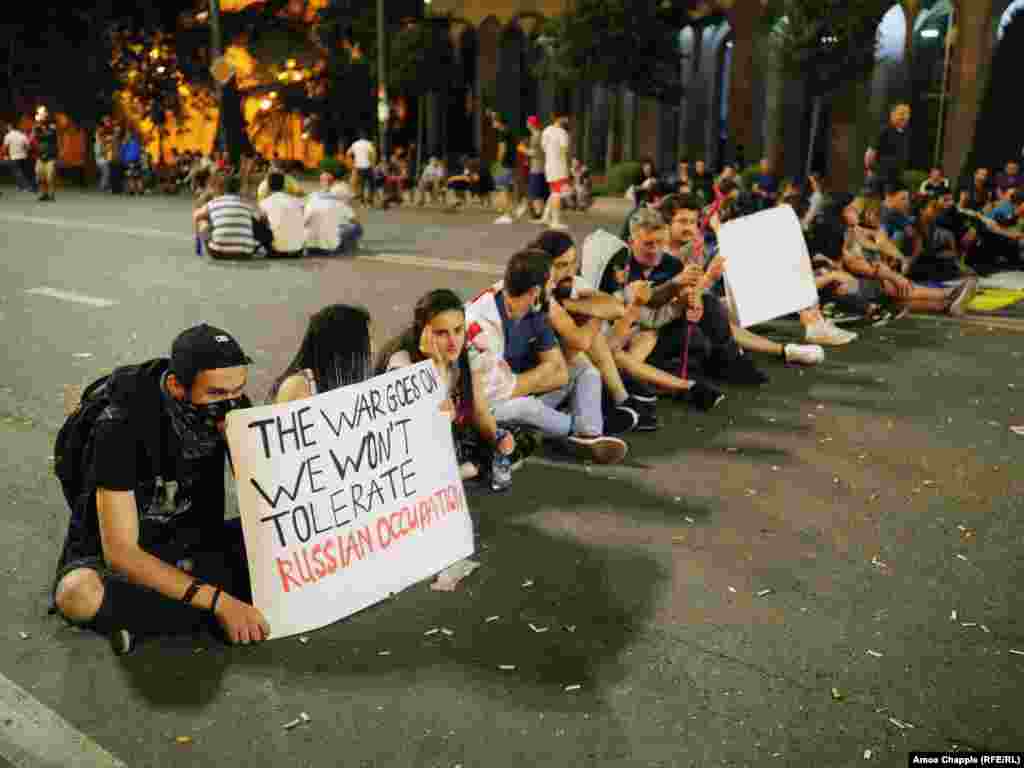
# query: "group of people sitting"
{"points": [[284, 223]]}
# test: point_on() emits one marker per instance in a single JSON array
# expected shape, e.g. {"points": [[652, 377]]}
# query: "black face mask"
{"points": [[196, 425]]}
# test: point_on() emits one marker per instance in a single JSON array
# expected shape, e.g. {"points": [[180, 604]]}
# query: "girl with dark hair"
{"points": [[336, 351], [438, 333]]}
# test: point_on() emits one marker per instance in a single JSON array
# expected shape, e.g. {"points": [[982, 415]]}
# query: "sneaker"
{"points": [[963, 297], [743, 373], [827, 334], [506, 219], [705, 396], [527, 443], [620, 419], [648, 417], [804, 354], [600, 450], [122, 642], [642, 393]]}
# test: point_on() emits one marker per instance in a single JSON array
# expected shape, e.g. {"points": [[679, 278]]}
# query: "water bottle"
{"points": [[501, 466]]}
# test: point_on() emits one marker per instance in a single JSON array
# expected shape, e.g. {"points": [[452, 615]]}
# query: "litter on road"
{"points": [[447, 632], [538, 630], [24, 635], [571, 688], [507, 667], [1016, 652], [900, 724], [527, 584], [765, 592], [491, 619], [183, 740], [449, 579], [876, 654], [302, 718], [304, 640], [431, 632]]}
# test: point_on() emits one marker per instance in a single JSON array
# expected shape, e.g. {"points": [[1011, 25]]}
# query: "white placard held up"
{"points": [[767, 268], [348, 497]]}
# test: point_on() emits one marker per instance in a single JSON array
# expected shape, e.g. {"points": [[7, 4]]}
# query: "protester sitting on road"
{"points": [[336, 350], [1010, 177], [147, 550], [438, 333], [330, 225], [286, 218], [291, 185], [578, 315], [895, 219], [937, 258], [936, 184], [1005, 237], [978, 196], [468, 184], [511, 333], [682, 219], [231, 234], [432, 183], [861, 258]]}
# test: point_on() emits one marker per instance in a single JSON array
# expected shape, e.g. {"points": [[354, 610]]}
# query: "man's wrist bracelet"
{"points": [[192, 591], [216, 597]]}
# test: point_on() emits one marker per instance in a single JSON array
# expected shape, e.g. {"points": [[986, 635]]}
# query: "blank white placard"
{"points": [[767, 267]]}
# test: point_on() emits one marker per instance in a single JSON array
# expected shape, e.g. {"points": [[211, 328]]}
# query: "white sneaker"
{"points": [[506, 219], [828, 334], [804, 354]]}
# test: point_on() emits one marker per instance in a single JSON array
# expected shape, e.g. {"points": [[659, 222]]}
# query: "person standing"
{"points": [[889, 157], [363, 155], [505, 178], [555, 141], [17, 146], [536, 185], [44, 136]]}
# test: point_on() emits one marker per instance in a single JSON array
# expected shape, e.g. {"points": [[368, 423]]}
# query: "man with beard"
{"points": [[148, 551]]}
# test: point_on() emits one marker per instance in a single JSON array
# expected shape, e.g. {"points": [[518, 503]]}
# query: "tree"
{"points": [[828, 44], [615, 43], [997, 136]]}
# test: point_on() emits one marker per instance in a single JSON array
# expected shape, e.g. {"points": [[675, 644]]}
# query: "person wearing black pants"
{"points": [[147, 550]]}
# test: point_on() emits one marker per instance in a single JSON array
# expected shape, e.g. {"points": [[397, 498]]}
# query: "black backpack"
{"points": [[72, 450]]}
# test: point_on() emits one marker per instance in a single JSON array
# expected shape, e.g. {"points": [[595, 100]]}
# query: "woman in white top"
{"points": [[336, 351], [438, 333]]}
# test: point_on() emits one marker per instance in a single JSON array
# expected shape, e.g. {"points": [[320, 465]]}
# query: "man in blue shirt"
{"points": [[766, 185], [543, 380], [896, 219]]}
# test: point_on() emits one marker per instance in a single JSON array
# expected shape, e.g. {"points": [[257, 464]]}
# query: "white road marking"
{"points": [[405, 259], [34, 736], [450, 265], [78, 298], [97, 227]]}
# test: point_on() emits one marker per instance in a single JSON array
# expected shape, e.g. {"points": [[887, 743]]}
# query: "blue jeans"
{"points": [[583, 393]]}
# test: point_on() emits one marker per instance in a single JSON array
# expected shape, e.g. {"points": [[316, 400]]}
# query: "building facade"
{"points": [[932, 53]]}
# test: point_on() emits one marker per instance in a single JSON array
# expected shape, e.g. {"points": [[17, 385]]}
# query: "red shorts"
{"points": [[558, 187]]}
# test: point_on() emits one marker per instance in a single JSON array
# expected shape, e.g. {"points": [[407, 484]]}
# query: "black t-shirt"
{"points": [[46, 138], [509, 160], [893, 148], [183, 502]]}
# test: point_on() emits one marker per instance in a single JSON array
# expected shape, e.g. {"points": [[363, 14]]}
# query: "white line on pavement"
{"points": [[96, 227], [451, 265], [405, 259], [34, 736], [78, 298]]}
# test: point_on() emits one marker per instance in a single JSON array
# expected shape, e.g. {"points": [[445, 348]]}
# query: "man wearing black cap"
{"points": [[148, 551]]}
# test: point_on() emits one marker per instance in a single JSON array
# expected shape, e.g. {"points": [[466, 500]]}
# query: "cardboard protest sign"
{"points": [[767, 267], [348, 497]]}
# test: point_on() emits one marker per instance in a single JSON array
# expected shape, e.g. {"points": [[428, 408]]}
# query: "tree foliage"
{"points": [[826, 42], [615, 42]]}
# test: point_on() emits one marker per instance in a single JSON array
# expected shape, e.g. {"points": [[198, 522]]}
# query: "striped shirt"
{"points": [[231, 225]]}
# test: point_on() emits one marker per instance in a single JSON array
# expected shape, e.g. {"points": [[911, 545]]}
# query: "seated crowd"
{"points": [[575, 347], [285, 222]]}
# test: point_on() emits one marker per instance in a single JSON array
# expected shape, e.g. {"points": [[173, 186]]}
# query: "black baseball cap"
{"points": [[204, 348]]}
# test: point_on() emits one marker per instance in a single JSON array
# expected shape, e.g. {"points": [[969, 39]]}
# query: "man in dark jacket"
{"points": [[147, 550]]}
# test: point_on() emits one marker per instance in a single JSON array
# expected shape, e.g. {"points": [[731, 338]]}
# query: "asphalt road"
{"points": [[873, 496]]}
